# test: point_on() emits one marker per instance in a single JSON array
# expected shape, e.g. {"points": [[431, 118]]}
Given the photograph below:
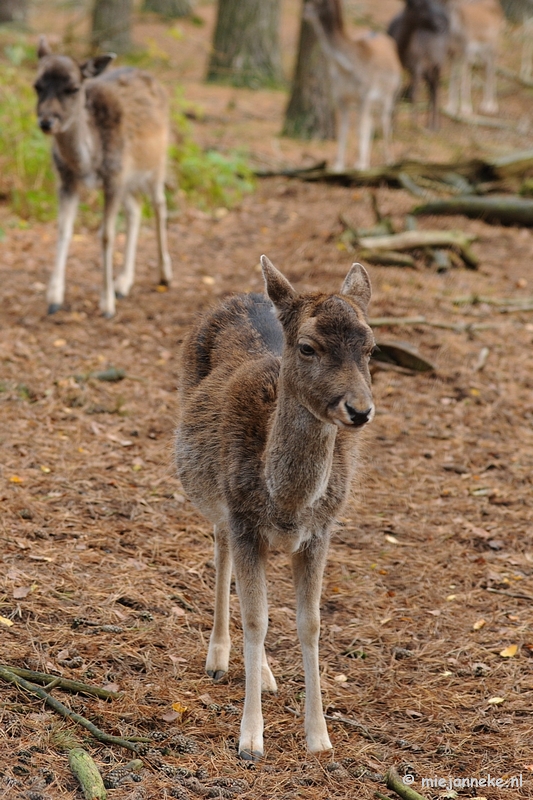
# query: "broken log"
{"points": [[411, 240], [500, 209]]}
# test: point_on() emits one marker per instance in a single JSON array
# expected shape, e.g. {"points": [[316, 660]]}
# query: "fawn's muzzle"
{"points": [[359, 418]]}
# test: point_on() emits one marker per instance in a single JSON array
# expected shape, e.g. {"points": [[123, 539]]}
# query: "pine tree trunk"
{"points": [[169, 8], [246, 43], [13, 10], [111, 25], [310, 113]]}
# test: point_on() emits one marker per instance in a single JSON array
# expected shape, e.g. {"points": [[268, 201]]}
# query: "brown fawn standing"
{"points": [[365, 74], [111, 130], [274, 392]]}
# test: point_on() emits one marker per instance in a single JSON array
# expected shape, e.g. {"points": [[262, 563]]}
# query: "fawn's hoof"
{"points": [[251, 755], [217, 675], [120, 295], [54, 307], [108, 314]]}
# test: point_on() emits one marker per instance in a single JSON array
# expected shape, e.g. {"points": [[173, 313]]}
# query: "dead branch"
{"points": [[85, 770], [387, 258], [395, 784], [515, 595], [411, 240], [458, 327], [68, 685], [497, 208], [514, 76], [479, 120], [9, 676]]}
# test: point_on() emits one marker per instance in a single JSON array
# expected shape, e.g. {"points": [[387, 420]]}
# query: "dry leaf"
{"points": [[391, 539], [179, 708], [206, 699], [177, 611], [20, 592], [496, 701], [16, 479], [170, 716], [341, 678], [478, 624], [509, 652], [7, 622]]}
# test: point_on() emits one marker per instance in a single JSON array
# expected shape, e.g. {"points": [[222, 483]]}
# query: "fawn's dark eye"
{"points": [[306, 349], [72, 90]]}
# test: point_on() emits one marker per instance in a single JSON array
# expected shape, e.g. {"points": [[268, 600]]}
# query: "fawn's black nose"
{"points": [[45, 125], [358, 418]]}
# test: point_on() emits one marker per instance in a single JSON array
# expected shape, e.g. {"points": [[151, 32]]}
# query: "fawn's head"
{"points": [[327, 348], [59, 87]]}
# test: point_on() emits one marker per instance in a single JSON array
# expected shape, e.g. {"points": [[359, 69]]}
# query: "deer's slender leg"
{"points": [[343, 123], [386, 126], [217, 661], [68, 206], [365, 133], [308, 569], [160, 209], [452, 106], [112, 201], [466, 86], [125, 280], [249, 561], [489, 104]]}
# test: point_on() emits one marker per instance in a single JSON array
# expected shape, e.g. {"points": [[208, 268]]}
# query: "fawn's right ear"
{"points": [[43, 48], [277, 286], [95, 66], [357, 284]]}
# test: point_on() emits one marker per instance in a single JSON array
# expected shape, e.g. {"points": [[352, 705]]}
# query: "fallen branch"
{"points": [[515, 595], [514, 76], [69, 686], [85, 770], [501, 209], [411, 240], [458, 327], [396, 784], [9, 676], [387, 258], [481, 121]]}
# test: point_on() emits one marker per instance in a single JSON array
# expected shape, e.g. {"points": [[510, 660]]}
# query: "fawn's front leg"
{"points": [[308, 568], [249, 560], [111, 206], [68, 206], [217, 661]]}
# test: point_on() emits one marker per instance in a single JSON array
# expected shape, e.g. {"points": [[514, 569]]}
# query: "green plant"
{"points": [[207, 177]]}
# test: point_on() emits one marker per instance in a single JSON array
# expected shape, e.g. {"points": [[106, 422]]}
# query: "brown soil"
{"points": [[106, 570]]}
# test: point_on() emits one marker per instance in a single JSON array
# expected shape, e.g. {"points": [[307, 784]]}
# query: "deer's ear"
{"points": [[95, 66], [277, 286], [43, 48], [357, 285]]}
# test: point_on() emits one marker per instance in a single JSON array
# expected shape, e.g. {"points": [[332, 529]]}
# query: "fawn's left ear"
{"points": [[357, 285], [95, 66], [43, 48], [277, 286]]}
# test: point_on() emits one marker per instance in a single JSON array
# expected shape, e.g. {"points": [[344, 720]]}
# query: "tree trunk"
{"points": [[246, 43], [13, 10], [169, 8], [517, 10], [310, 113], [111, 25]]}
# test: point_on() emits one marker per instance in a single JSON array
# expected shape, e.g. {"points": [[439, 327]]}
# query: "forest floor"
{"points": [[106, 569]]}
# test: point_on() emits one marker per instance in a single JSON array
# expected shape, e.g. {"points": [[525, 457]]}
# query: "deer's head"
{"points": [[328, 344], [59, 87]]}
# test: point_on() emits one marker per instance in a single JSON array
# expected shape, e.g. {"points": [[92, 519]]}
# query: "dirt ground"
{"points": [[106, 568]]}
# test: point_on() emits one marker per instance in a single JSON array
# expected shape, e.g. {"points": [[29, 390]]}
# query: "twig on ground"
{"points": [[85, 770], [516, 595], [65, 683], [98, 734], [480, 120], [381, 796], [395, 784], [514, 76], [458, 327], [411, 240]]}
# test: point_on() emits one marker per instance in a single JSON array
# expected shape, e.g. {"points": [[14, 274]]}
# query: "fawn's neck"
{"points": [[298, 454], [75, 145]]}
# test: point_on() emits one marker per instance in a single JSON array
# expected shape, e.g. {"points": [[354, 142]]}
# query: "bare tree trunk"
{"points": [[13, 10], [246, 43], [310, 113], [111, 25], [169, 8]]}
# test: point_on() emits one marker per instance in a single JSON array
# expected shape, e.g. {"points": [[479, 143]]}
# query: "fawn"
{"points": [[110, 129], [365, 73], [421, 32], [274, 392]]}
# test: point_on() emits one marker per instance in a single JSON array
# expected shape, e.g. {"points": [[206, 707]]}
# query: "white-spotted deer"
{"points": [[475, 30], [365, 74], [274, 392], [112, 130]]}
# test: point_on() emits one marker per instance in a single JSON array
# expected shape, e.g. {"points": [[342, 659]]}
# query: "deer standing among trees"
{"points": [[110, 129], [475, 30], [421, 32], [365, 73], [274, 393]]}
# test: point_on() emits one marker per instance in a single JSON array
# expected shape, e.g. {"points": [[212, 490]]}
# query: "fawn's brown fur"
{"points": [[274, 392], [365, 74], [109, 129]]}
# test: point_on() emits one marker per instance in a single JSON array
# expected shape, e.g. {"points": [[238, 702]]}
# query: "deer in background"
{"points": [[421, 32], [274, 393], [110, 129], [365, 73], [475, 30]]}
